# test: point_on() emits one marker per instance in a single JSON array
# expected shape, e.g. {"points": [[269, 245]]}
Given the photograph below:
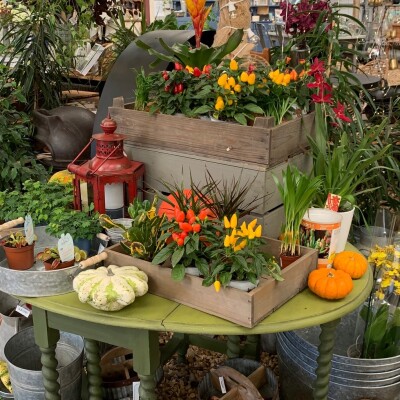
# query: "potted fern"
{"points": [[297, 191]]}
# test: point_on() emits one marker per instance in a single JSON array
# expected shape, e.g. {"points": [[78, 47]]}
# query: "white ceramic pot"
{"points": [[347, 218], [243, 285]]}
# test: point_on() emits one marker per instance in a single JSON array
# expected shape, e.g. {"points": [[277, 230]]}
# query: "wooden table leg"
{"points": [[93, 370], [324, 359], [146, 360], [46, 338]]}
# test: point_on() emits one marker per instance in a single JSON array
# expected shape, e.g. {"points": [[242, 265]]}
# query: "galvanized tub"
{"points": [[36, 281], [23, 359], [350, 378]]}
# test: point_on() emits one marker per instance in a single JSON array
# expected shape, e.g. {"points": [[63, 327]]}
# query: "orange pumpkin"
{"points": [[355, 264], [329, 283]]}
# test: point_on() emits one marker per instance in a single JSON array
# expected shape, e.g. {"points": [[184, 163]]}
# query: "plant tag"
{"points": [[222, 384], [29, 231], [135, 390], [101, 248], [23, 310], [332, 202], [66, 247]]}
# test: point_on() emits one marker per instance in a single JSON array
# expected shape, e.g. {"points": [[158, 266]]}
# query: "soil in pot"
{"points": [[21, 258]]}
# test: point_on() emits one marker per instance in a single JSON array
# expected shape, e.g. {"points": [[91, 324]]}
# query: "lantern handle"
{"points": [[82, 151]]}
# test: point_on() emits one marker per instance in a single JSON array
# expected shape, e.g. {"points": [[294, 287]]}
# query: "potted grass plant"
{"points": [[297, 191]]}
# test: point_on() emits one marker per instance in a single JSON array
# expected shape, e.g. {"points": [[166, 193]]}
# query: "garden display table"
{"points": [[137, 327]]}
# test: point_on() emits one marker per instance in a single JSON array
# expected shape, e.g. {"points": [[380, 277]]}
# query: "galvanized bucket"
{"points": [[350, 378], [23, 359]]}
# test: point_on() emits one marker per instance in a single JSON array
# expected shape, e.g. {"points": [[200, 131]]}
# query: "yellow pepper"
{"points": [[251, 78], [244, 77], [222, 80], [233, 65], [217, 286]]}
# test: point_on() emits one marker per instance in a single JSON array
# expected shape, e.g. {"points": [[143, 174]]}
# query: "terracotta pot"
{"points": [[287, 259], [20, 258], [49, 267]]}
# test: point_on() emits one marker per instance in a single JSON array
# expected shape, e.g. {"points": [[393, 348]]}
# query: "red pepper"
{"points": [[203, 215], [207, 69], [178, 67], [165, 75], [251, 68], [185, 227], [179, 242], [192, 220], [175, 236], [196, 72], [175, 89], [180, 87], [179, 215], [190, 214], [196, 228], [183, 235], [167, 88]]}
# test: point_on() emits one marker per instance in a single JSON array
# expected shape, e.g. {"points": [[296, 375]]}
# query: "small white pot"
{"points": [[243, 285], [347, 218]]}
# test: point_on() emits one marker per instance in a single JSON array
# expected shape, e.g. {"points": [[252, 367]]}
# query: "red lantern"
{"points": [[110, 176]]}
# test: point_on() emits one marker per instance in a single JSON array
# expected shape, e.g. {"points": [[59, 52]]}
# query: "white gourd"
{"points": [[110, 288]]}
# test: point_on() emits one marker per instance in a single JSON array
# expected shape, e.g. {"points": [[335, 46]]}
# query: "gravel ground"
{"points": [[181, 380]]}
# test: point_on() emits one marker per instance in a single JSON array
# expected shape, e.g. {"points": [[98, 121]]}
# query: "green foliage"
{"points": [[38, 199], [42, 58], [140, 240], [17, 161], [79, 224], [16, 240], [194, 57], [297, 192]]}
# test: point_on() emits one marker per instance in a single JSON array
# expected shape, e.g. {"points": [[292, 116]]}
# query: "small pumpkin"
{"points": [[329, 283], [352, 262], [110, 288]]}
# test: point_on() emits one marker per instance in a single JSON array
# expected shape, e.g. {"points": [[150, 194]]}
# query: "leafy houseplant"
{"points": [[79, 224], [18, 251], [51, 258], [39, 199], [297, 192], [140, 240]]}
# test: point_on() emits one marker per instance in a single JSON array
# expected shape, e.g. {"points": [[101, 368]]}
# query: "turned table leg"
{"points": [[233, 346], [46, 338], [146, 360], [324, 359], [93, 370]]}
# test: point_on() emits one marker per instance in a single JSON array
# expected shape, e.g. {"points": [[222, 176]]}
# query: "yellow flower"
{"points": [[258, 231], [219, 105], [237, 88], [252, 224], [233, 65], [217, 286], [251, 79], [222, 80], [227, 224], [231, 81], [244, 77]]}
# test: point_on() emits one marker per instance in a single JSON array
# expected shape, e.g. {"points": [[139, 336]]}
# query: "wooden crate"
{"points": [[172, 166], [243, 308], [261, 143]]}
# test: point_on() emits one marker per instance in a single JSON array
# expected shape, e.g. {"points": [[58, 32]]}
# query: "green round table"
{"points": [[137, 327]]}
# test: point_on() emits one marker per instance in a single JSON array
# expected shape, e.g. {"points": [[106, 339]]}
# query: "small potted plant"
{"points": [[297, 191], [52, 261], [20, 254], [82, 226]]}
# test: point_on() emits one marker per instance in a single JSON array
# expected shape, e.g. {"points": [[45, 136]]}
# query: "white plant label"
{"points": [[135, 389], [26, 312], [66, 247], [222, 384], [29, 230]]}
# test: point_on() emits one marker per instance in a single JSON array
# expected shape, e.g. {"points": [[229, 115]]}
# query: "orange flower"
{"points": [[199, 14]]}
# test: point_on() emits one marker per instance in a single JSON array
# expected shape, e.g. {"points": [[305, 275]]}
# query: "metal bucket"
{"points": [[23, 359], [350, 378]]}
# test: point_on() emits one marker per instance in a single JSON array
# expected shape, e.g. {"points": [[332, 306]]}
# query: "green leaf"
{"points": [[163, 255], [178, 272], [177, 255]]}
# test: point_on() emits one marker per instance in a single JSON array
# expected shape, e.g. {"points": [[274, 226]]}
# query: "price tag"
{"points": [[23, 310], [29, 231], [135, 387], [66, 247], [222, 384], [333, 202]]}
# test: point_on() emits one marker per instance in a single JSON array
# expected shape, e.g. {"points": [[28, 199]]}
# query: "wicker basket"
{"points": [[378, 67]]}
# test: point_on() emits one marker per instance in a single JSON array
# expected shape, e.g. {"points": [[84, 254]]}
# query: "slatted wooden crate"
{"points": [[243, 308]]}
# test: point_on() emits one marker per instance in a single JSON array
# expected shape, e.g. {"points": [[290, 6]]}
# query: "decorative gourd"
{"points": [[329, 283], [355, 264], [110, 288], [63, 177]]}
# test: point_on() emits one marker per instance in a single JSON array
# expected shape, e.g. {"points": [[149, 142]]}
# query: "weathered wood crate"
{"points": [[261, 143], [243, 308]]}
